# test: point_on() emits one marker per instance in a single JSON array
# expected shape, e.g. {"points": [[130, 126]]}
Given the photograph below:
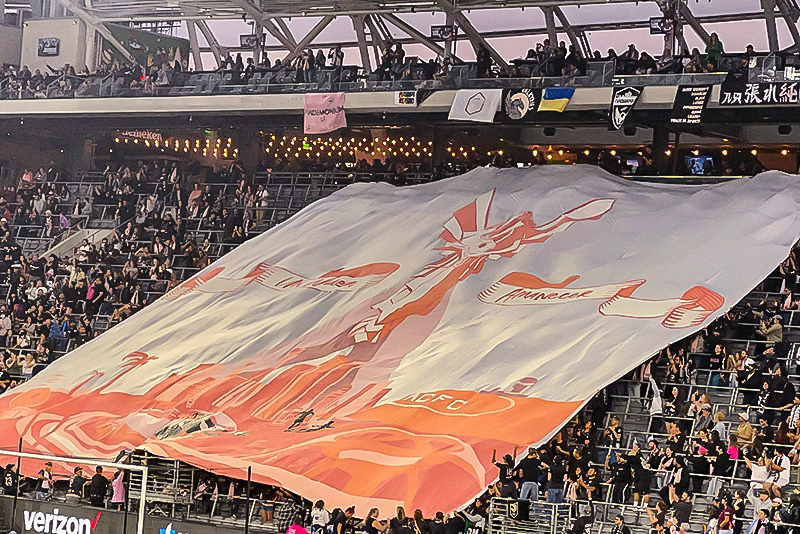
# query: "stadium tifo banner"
{"points": [[376, 347], [324, 113]]}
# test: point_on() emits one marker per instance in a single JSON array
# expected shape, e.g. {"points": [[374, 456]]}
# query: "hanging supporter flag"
{"points": [[479, 105], [690, 104], [518, 102], [324, 113], [623, 100], [739, 92], [519, 510], [373, 349], [556, 98]]}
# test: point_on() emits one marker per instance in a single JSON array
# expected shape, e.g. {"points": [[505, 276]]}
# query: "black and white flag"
{"points": [[622, 102]]}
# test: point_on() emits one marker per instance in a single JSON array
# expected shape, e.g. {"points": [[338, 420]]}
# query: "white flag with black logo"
{"points": [[479, 105], [622, 102]]}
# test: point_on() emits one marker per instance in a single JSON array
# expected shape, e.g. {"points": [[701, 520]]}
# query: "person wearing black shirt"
{"points": [[583, 524], [681, 505], [340, 523], [506, 467], [372, 525], [5, 378], [641, 476], [97, 488], [620, 478], [437, 524], [750, 381], [78, 482], [577, 461], [619, 526], [10, 479], [528, 473], [555, 481], [507, 489], [418, 523], [762, 525], [455, 524]]}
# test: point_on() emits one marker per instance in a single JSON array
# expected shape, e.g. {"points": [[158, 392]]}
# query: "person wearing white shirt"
{"points": [[320, 517]]}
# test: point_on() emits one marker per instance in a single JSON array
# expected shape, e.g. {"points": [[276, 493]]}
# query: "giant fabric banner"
{"points": [[376, 347]]}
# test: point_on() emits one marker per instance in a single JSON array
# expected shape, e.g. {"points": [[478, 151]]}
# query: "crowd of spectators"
{"points": [[689, 449], [50, 304], [742, 460], [549, 59], [326, 70]]}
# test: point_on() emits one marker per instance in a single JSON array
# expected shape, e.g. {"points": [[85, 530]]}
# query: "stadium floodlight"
{"points": [[68, 460]]}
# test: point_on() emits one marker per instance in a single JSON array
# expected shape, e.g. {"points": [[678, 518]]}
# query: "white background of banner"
{"points": [[492, 99]]}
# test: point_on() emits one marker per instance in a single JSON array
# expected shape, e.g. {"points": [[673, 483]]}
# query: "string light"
{"points": [[196, 146]]}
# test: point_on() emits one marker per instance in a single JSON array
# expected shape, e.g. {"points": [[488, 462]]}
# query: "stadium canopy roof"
{"points": [[376, 22], [124, 10]]}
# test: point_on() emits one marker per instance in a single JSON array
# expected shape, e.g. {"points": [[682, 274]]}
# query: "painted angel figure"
{"points": [[469, 243]]}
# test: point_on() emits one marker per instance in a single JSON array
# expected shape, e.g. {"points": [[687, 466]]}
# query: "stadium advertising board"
{"points": [[42, 517], [375, 348], [48, 46]]}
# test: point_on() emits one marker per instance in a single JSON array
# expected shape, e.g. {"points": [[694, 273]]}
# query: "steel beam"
{"points": [[126, 12], [694, 23], [550, 21], [412, 32], [358, 26], [260, 17], [216, 49], [791, 21], [567, 27], [375, 37], [194, 45], [259, 28], [527, 32], [288, 44], [94, 24], [469, 30], [310, 36], [286, 31], [769, 20]]}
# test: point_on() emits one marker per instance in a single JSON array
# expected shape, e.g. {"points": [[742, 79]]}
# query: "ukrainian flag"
{"points": [[555, 98]]}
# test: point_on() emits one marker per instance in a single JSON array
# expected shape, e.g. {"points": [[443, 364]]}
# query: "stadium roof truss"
{"points": [[371, 20]]}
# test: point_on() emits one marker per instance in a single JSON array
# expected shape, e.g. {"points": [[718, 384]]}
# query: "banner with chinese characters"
{"points": [[373, 349], [760, 94]]}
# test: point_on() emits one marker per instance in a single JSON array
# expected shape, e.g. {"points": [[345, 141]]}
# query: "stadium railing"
{"points": [[534, 74]]}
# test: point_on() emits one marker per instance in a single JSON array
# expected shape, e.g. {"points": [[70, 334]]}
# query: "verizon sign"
{"points": [[55, 523]]}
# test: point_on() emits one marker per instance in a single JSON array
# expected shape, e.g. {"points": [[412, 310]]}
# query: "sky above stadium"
{"points": [[734, 35]]}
